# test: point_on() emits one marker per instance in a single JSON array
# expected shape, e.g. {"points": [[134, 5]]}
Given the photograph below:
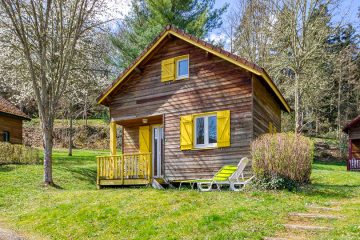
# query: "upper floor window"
{"points": [[205, 131], [175, 68], [182, 68]]}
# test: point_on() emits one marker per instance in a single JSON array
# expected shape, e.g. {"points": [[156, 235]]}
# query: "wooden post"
{"points": [[148, 162], [122, 168], [350, 155], [98, 171], [113, 138]]}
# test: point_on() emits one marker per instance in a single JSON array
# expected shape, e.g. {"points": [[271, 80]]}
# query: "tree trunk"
{"points": [[297, 105], [339, 105], [47, 129], [85, 111], [358, 100], [316, 125], [70, 134]]}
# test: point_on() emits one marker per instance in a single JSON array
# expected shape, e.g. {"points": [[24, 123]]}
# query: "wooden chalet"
{"points": [[11, 120], [185, 108], [353, 130]]}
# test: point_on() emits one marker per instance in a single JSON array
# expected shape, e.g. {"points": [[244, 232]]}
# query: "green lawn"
{"points": [[76, 210], [65, 122]]}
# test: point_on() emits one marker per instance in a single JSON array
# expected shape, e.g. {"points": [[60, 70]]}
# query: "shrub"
{"points": [[18, 154], [282, 160]]}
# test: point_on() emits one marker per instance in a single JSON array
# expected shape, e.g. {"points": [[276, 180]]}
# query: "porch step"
{"points": [[314, 215], [155, 184], [307, 227], [323, 208], [160, 180], [275, 238]]}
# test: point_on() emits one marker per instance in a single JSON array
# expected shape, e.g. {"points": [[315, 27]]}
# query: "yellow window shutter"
{"points": [[144, 139], [168, 69], [186, 132], [270, 127], [223, 128]]}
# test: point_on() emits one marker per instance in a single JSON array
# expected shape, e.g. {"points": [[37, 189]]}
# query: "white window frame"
{"points": [[206, 132], [177, 68]]}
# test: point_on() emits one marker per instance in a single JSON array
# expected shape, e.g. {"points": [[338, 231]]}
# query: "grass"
{"points": [[76, 210], [35, 122]]}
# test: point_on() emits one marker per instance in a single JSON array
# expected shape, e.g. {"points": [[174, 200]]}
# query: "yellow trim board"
{"points": [[216, 53]]}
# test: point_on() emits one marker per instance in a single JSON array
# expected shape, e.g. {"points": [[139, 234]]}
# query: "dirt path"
{"points": [[6, 234], [302, 225]]}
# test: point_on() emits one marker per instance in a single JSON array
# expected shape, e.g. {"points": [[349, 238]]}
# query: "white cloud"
{"points": [[116, 9], [219, 37]]}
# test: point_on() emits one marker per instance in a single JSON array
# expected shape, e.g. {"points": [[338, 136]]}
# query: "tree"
{"points": [[289, 39], [253, 37], [148, 17], [46, 34]]}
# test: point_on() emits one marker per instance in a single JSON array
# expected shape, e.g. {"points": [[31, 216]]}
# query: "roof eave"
{"points": [[15, 116]]}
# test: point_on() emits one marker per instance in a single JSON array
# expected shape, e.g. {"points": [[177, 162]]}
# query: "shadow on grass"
{"points": [[331, 191], [82, 174], [80, 160], [56, 186], [328, 163], [6, 168]]}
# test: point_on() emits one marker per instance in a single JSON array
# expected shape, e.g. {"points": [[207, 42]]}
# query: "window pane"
{"points": [[200, 131], [6, 136], [183, 68], [212, 129]]}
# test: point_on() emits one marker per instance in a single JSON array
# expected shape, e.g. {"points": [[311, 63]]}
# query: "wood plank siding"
{"points": [[265, 108], [355, 148], [13, 125], [131, 139], [354, 132], [214, 84]]}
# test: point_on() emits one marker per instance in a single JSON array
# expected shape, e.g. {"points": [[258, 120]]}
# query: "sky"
{"points": [[350, 7], [347, 8]]}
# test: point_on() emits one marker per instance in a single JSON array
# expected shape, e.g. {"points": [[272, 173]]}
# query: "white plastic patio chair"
{"points": [[237, 180]]}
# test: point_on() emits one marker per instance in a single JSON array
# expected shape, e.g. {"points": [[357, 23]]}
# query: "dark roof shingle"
{"points": [[352, 123], [9, 108]]}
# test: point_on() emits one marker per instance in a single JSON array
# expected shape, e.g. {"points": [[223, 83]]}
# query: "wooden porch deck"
{"points": [[124, 169]]}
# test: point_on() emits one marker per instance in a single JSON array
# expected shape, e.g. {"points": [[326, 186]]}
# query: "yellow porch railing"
{"points": [[124, 169]]}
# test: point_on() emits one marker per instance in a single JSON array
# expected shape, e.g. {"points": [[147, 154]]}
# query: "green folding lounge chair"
{"points": [[220, 177]]}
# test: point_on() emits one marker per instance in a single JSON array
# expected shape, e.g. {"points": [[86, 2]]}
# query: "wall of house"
{"points": [[354, 135], [266, 109], [214, 85], [13, 126], [130, 139], [356, 148], [354, 132]]}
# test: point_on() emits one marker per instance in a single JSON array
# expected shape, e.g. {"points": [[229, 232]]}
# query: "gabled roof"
{"points": [[8, 108], [352, 123], [171, 30]]}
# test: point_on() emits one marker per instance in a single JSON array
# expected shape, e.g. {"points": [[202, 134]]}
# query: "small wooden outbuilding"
{"points": [[11, 119], [353, 130]]}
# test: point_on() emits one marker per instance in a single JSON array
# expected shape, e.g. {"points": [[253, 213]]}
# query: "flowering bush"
{"points": [[18, 154], [282, 159]]}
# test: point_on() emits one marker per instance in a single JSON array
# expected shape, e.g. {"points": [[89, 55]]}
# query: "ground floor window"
{"points": [[6, 136], [205, 131]]}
